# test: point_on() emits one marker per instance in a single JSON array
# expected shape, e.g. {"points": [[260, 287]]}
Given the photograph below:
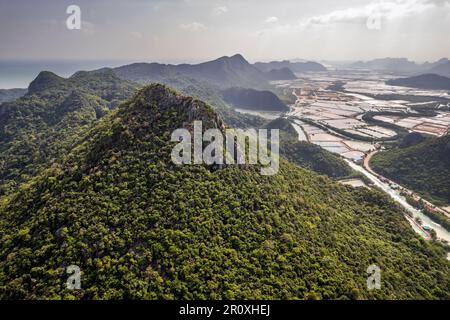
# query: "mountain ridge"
{"points": [[40, 126], [225, 71], [405, 66]]}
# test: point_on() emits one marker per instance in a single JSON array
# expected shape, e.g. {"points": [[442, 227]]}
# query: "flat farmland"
{"points": [[333, 119]]}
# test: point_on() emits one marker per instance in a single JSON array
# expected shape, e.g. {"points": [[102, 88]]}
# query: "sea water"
{"points": [[19, 73]]}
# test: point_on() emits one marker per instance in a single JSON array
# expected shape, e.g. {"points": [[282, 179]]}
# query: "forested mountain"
{"points": [[254, 99], [424, 168], [41, 126], [140, 227], [294, 66], [424, 81]]}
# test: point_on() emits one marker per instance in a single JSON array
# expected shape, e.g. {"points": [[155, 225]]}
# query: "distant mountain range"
{"points": [[405, 66], [293, 66], [401, 65], [222, 72], [424, 81], [11, 94]]}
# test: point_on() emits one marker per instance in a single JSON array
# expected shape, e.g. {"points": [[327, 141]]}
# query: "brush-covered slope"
{"points": [[252, 99], [313, 157], [424, 167], [140, 227], [39, 127]]}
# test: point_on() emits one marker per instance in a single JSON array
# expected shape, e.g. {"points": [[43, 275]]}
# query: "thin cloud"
{"points": [[439, 3], [219, 11], [386, 10], [193, 26], [136, 34], [271, 20]]}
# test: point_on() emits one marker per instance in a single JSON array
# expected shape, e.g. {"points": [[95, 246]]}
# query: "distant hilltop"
{"points": [[424, 81], [254, 99]]}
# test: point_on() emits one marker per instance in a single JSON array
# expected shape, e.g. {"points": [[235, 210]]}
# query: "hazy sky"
{"points": [[195, 30]]}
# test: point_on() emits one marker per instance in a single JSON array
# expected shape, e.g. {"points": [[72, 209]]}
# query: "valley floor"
{"points": [[333, 119]]}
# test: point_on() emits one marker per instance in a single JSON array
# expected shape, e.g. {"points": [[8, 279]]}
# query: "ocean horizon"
{"points": [[19, 73]]}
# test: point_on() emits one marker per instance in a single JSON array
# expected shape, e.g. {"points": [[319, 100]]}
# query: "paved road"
{"points": [[368, 168], [441, 232], [391, 192]]}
